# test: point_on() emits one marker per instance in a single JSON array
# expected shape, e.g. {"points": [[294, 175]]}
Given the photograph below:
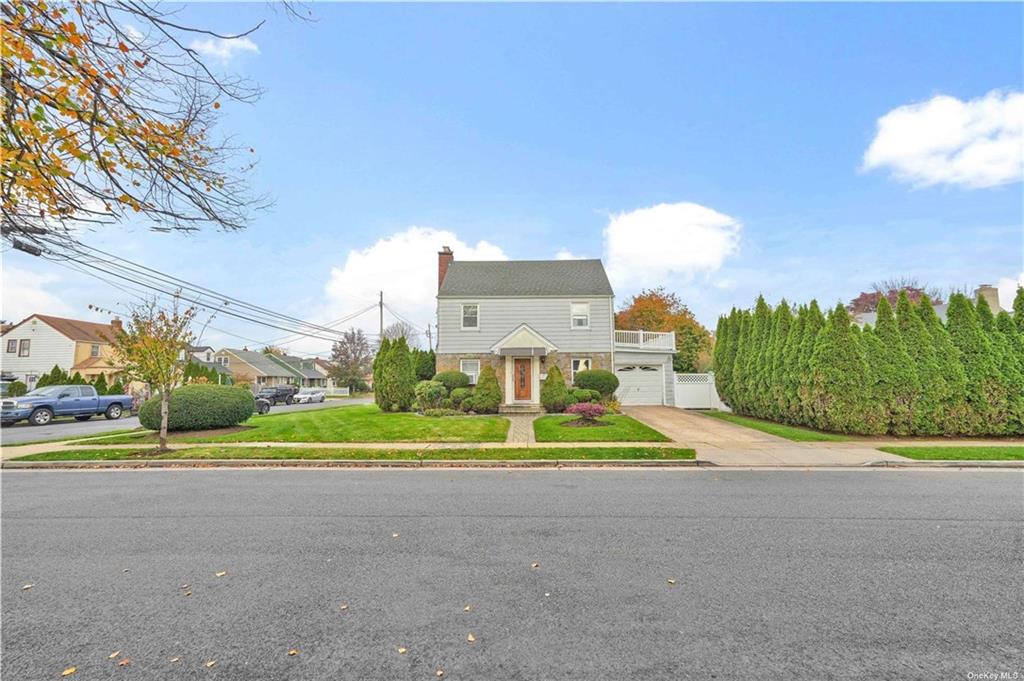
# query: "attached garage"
{"points": [[640, 383]]}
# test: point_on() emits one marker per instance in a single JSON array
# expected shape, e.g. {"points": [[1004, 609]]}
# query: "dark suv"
{"points": [[278, 393]]}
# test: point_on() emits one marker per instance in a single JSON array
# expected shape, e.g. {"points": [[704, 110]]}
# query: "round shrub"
{"points": [[553, 393], [586, 411], [429, 394], [604, 382], [16, 389], [487, 396], [585, 395], [452, 379], [459, 395], [200, 407]]}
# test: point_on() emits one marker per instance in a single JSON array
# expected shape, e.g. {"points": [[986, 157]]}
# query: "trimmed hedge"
{"points": [[430, 394], [554, 396], [452, 379], [604, 382], [200, 407], [460, 395], [585, 395], [487, 396]]}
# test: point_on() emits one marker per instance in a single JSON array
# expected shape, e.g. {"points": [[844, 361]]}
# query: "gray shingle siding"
{"points": [[525, 278]]}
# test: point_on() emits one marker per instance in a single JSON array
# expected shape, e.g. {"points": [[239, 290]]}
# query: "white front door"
{"points": [[640, 384]]}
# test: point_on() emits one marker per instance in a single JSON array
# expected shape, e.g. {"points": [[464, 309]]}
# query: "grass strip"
{"points": [[794, 433], [619, 428], [465, 454], [78, 438], [954, 453]]}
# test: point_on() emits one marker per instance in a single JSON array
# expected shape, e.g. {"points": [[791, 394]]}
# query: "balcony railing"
{"points": [[645, 340]]}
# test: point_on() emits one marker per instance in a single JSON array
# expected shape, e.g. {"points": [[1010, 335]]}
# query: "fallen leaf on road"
{"points": [[114, 654], [471, 638], [535, 565], [439, 673], [394, 535], [184, 586], [175, 659], [69, 671], [125, 570], [344, 606], [27, 587], [293, 652], [125, 662], [187, 593], [220, 574], [209, 663], [546, 594], [671, 582], [466, 609], [402, 651]]}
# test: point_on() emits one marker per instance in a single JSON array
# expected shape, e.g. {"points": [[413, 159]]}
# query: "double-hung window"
{"points": [[24, 347], [12, 345], [580, 313], [470, 316], [579, 364], [94, 351], [470, 367]]}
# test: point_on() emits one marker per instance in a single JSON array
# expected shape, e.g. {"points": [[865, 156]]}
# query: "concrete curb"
{"points": [[914, 463], [350, 463]]}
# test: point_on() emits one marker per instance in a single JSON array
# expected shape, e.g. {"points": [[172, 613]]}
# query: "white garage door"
{"points": [[640, 384]]}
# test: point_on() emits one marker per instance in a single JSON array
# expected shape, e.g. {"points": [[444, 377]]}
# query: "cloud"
{"points": [[404, 265], [223, 48], [566, 254], [24, 294], [1008, 290], [973, 144], [648, 246]]}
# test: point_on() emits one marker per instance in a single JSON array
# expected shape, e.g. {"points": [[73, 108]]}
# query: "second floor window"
{"points": [[471, 316], [12, 345], [94, 351], [24, 346], [580, 315]]}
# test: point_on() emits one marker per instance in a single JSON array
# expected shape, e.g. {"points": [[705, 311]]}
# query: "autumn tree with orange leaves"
{"points": [[659, 310], [108, 113]]}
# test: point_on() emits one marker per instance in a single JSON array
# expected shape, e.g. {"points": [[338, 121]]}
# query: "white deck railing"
{"points": [[646, 340]]}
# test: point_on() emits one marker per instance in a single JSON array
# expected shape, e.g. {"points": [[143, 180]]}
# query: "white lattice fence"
{"points": [[697, 391]]}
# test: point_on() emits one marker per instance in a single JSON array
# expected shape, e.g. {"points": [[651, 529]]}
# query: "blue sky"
{"points": [[727, 142]]}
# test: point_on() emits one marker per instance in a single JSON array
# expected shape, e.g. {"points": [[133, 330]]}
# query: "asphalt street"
{"points": [[97, 425], [902, 574]]}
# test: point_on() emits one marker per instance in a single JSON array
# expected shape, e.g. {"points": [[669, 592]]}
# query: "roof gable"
{"points": [[517, 278], [73, 329]]}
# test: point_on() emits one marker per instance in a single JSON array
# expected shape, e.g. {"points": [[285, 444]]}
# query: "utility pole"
{"points": [[381, 306], [430, 339]]}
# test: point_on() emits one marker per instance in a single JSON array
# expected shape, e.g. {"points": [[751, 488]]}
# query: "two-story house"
{"points": [[33, 346], [523, 316]]}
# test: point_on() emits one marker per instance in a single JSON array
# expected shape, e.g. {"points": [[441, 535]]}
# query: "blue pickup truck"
{"points": [[81, 401]]}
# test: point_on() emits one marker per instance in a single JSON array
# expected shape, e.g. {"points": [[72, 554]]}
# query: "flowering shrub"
{"points": [[587, 411]]}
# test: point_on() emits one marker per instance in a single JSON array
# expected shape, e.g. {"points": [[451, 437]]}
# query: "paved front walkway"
{"points": [[520, 430]]}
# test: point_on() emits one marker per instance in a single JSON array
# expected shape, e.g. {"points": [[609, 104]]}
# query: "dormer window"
{"points": [[470, 316], [94, 350], [580, 315]]}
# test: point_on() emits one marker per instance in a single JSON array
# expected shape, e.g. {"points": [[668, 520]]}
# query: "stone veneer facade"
{"points": [[598, 360]]}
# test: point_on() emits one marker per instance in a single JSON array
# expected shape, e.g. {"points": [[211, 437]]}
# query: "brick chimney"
{"points": [[444, 259], [990, 294], [116, 325]]}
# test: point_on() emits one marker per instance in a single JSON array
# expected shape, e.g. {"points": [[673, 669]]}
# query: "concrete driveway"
{"points": [[727, 444]]}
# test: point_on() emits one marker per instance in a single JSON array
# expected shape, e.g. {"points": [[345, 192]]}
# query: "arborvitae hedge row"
{"points": [[909, 375]]}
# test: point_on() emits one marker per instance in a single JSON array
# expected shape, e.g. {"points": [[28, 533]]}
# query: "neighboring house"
{"points": [[323, 367], [33, 346], [988, 292], [256, 368], [304, 371], [203, 355], [522, 317]]}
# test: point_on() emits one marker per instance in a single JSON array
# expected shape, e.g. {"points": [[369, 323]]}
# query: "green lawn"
{"points": [[621, 429], [356, 423], [953, 453], [793, 433], [481, 454]]}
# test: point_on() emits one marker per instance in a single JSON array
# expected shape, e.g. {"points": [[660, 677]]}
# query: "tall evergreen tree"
{"points": [[755, 364], [1018, 309], [381, 392], [720, 357], [813, 325], [1012, 369], [956, 416], [934, 392], [791, 368], [986, 394], [100, 384], [895, 372], [782, 319], [738, 383], [839, 374]]}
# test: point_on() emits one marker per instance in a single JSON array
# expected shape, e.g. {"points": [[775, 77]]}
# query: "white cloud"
{"points": [[977, 143], [24, 294], [566, 254], [404, 265], [1008, 290], [649, 246], [223, 48]]}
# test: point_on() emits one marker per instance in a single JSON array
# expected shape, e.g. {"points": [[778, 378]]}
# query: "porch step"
{"points": [[520, 409]]}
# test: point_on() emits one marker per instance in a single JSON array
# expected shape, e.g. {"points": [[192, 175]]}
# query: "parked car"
{"points": [[81, 401], [310, 395], [278, 393], [262, 406]]}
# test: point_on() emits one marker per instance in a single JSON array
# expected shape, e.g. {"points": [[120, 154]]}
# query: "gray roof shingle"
{"points": [[469, 278], [261, 362]]}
